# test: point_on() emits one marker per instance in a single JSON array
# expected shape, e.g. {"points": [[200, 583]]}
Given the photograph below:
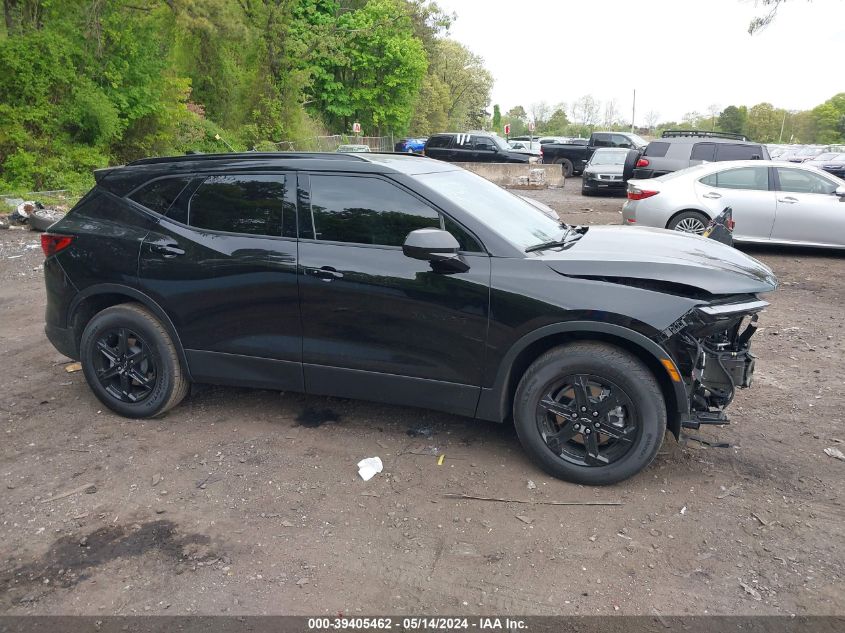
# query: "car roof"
{"points": [[702, 139], [121, 180]]}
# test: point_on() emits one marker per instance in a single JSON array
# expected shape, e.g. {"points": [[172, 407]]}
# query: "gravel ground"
{"points": [[248, 502]]}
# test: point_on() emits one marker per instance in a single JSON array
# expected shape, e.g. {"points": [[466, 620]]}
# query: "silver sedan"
{"points": [[773, 202]]}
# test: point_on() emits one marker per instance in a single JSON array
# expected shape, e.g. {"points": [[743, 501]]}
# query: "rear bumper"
{"points": [[63, 340]]}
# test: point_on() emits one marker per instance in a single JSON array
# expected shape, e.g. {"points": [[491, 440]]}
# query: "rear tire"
{"points": [[566, 167], [131, 363], [609, 415], [689, 222]]}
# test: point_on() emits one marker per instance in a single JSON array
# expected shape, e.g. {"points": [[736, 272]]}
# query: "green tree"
{"points": [[733, 119], [497, 119], [829, 120], [764, 123]]}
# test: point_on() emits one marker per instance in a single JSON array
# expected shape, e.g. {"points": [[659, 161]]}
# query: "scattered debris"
{"points": [[726, 492], [287, 524], [525, 519], [212, 478], [835, 453], [72, 367], [156, 479], [369, 467], [420, 431], [542, 503], [751, 591], [312, 418], [760, 519], [302, 582], [684, 510], [75, 491], [532, 485]]}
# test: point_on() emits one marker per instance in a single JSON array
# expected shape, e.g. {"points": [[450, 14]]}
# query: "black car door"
{"points": [[484, 149], [376, 324], [222, 264]]}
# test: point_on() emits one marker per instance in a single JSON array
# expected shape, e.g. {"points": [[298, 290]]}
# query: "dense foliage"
{"points": [[86, 83]]}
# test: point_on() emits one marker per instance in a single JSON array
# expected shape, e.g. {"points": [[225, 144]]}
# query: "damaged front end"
{"points": [[711, 346]]}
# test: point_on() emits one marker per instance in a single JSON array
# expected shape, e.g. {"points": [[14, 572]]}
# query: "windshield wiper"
{"points": [[576, 231]]}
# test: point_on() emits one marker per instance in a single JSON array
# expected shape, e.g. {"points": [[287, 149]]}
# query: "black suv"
{"points": [[399, 279], [472, 147], [679, 149]]}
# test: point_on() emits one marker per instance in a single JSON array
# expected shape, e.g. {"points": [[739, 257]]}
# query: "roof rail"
{"points": [[703, 134], [242, 156]]}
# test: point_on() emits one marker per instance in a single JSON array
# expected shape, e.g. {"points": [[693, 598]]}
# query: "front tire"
{"points": [[590, 413], [131, 363]]}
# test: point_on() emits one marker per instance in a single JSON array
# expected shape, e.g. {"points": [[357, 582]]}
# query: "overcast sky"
{"points": [[680, 55]]}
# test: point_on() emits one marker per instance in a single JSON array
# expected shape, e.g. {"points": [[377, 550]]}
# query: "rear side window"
{"points": [[728, 151], [438, 141], [602, 140], [703, 151], [366, 211], [656, 149], [749, 178], [251, 204], [158, 195]]}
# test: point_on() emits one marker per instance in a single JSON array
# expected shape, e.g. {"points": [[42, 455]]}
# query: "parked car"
{"points": [[604, 171], [532, 148], [677, 149], [473, 147], [543, 140], [573, 157], [405, 280], [353, 148], [410, 145], [834, 166], [773, 202], [803, 154]]}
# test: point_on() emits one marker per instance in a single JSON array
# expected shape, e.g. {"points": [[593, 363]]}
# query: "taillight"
{"points": [[731, 224], [643, 162], [640, 194], [52, 244]]}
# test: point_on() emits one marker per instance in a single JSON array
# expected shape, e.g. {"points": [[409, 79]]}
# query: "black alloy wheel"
{"points": [[124, 366]]}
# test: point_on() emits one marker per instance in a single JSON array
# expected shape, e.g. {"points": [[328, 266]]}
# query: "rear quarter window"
{"points": [[656, 149], [438, 141], [159, 195], [729, 151]]}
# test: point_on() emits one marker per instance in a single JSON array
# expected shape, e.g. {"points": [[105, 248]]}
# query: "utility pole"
{"points": [[633, 111], [783, 123]]}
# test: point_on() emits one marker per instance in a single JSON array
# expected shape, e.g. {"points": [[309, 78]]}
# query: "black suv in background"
{"points": [[405, 280], [472, 147], [678, 149]]}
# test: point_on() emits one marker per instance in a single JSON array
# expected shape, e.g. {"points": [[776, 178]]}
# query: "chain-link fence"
{"points": [[333, 142]]}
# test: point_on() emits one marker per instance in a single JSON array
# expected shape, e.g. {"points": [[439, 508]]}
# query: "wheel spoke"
{"points": [[607, 404], [582, 392], [141, 379], [556, 408], [108, 373], [125, 386], [625, 434], [591, 448], [122, 344], [107, 351], [555, 440]]}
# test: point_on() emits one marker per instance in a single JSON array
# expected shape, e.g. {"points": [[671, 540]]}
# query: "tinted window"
{"points": [[158, 195], [728, 151], [438, 141], [657, 149], [242, 204], [751, 178], [483, 143], [703, 151], [617, 140], [801, 181], [602, 140], [366, 211], [467, 241]]}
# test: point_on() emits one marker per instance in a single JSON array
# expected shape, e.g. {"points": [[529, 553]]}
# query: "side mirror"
{"points": [[840, 191], [436, 246]]}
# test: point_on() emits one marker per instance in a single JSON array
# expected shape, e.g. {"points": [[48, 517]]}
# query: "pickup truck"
{"points": [[573, 158]]}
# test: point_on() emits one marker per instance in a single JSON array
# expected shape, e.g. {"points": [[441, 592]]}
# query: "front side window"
{"points": [[158, 195], [364, 210], [483, 143], [802, 181], [617, 140], [602, 140], [750, 178], [251, 204]]}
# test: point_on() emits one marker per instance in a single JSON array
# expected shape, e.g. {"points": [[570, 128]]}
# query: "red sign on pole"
{"points": [[507, 128], [356, 127]]}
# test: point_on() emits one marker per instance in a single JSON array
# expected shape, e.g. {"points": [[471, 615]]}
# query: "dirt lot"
{"points": [[231, 505]]}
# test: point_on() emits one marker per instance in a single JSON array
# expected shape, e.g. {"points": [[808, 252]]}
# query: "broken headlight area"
{"points": [[711, 344]]}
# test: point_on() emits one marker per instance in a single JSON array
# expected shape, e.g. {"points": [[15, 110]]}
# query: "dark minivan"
{"points": [[472, 147], [405, 280]]}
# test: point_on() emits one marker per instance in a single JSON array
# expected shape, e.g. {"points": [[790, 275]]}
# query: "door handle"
{"points": [[326, 273], [712, 195], [167, 249], [788, 200]]}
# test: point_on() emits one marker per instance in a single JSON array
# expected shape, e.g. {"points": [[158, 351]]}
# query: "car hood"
{"points": [[618, 253]]}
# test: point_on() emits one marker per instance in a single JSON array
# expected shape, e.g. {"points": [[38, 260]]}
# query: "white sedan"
{"points": [[773, 202]]}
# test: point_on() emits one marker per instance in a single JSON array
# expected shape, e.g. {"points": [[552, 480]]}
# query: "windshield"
{"points": [[609, 157], [498, 140], [513, 218], [639, 141]]}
